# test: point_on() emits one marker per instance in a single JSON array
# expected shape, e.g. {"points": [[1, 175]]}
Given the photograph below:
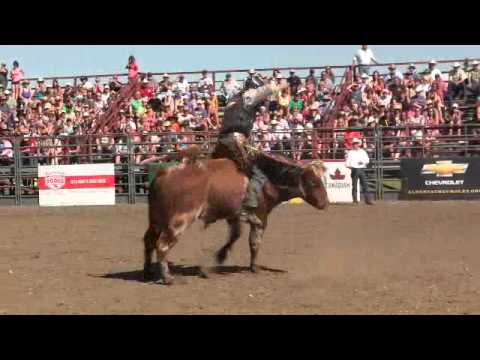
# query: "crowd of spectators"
{"points": [[414, 107], [164, 115]]}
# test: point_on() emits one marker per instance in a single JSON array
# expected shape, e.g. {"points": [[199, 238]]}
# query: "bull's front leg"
{"points": [[255, 239]]}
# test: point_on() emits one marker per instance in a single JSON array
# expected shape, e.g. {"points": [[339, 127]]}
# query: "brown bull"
{"points": [[212, 190]]}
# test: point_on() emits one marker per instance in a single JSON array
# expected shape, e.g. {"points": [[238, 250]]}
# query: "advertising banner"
{"points": [[339, 182], [440, 179], [76, 185]]}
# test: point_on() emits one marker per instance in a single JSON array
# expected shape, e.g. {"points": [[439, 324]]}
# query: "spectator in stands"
{"points": [[98, 86], [412, 71], [419, 100], [6, 152], [137, 106], [205, 84], [182, 86], [393, 73], [115, 84], [385, 99], [253, 81], [330, 74], [229, 87], [473, 80], [433, 69], [325, 84], [311, 80], [26, 92], [456, 79], [294, 82], [477, 112], [86, 85], [363, 59], [145, 90], [453, 118], [17, 75], [165, 85], [132, 68], [151, 82], [3, 75], [296, 103]]}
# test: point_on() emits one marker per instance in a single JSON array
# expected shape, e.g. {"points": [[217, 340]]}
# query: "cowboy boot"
{"points": [[368, 200]]}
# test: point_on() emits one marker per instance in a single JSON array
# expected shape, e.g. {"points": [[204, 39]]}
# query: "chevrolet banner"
{"points": [[440, 179]]}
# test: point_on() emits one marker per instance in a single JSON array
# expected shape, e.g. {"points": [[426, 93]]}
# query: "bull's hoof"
{"points": [[166, 281], [254, 269], [148, 275], [221, 256], [203, 273]]}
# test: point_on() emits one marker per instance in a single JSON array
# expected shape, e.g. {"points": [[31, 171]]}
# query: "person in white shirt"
{"points": [[433, 70], [230, 87], [357, 160], [182, 86], [205, 84], [392, 74], [363, 59]]}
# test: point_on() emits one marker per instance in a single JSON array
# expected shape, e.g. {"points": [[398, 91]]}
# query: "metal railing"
{"points": [[193, 76]]}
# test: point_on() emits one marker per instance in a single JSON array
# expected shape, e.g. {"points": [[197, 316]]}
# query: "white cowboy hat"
{"points": [[456, 65], [356, 141]]}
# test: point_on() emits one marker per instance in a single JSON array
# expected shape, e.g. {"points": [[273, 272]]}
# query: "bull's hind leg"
{"points": [[165, 243], [234, 228], [149, 239]]}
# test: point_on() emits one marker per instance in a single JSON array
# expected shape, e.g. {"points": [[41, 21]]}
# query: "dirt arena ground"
{"points": [[394, 258]]}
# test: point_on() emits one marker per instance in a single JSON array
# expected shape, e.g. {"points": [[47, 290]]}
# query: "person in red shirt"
{"points": [[132, 68], [145, 90], [354, 133], [98, 86]]}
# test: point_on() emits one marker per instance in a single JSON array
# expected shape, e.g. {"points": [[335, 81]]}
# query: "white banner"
{"points": [[339, 182], [76, 185]]}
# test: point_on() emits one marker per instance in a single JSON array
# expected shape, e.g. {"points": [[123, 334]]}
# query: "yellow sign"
{"points": [[444, 168]]}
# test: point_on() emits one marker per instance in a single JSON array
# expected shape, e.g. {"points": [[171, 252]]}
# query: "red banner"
{"points": [[59, 181]]}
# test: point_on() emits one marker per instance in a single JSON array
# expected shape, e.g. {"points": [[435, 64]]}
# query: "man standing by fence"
{"points": [[363, 59], [357, 160]]}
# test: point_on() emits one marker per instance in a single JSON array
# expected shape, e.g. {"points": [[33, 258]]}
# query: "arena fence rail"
{"points": [[132, 154]]}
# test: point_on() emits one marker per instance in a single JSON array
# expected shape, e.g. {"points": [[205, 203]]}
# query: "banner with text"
{"points": [[76, 185], [440, 179], [338, 182]]}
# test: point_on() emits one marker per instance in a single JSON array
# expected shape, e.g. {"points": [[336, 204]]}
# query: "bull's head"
{"points": [[313, 183]]}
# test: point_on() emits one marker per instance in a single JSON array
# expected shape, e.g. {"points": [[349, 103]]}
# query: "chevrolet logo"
{"points": [[444, 168]]}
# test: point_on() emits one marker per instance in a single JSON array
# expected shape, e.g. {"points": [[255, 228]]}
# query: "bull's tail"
{"points": [[190, 155]]}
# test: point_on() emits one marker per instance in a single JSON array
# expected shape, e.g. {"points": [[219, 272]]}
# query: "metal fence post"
{"points": [[17, 170], [379, 162], [465, 138], [131, 171]]}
